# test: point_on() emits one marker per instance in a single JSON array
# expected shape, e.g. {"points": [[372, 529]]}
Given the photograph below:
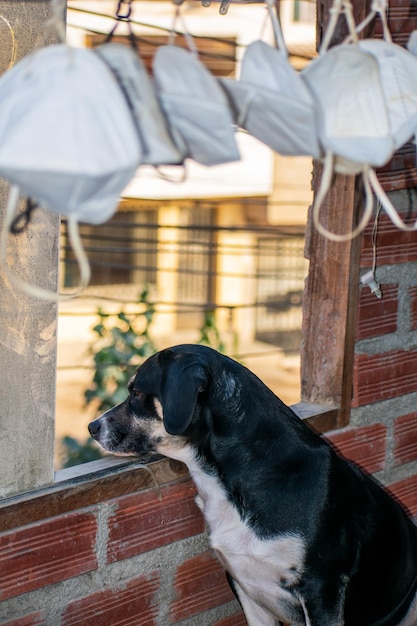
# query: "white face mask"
{"points": [[67, 137], [272, 103], [271, 100], [158, 147], [398, 75], [366, 95], [195, 106], [353, 120]]}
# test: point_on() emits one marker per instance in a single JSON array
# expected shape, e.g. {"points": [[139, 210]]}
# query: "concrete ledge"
{"points": [[88, 484], [321, 418]]}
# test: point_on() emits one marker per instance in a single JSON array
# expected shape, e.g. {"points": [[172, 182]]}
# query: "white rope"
{"points": [[339, 7], [325, 184], [57, 22], [276, 26], [378, 7], [188, 38]]}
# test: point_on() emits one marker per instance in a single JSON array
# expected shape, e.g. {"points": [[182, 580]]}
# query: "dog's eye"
{"points": [[137, 394]]}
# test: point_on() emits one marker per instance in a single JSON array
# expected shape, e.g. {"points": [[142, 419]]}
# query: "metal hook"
{"points": [[124, 16], [21, 221], [224, 7], [121, 16]]}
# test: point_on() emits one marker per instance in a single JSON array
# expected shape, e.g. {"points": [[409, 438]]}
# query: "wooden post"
{"points": [[28, 325], [331, 290]]}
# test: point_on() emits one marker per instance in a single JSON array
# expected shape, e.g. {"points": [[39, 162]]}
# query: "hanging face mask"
{"points": [[195, 105], [366, 94], [158, 147], [398, 72], [271, 100], [353, 119], [412, 43], [67, 140], [398, 75]]}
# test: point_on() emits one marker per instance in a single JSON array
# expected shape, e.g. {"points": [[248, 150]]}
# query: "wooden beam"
{"points": [[331, 289]]}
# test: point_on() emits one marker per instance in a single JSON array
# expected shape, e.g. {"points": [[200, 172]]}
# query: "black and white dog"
{"points": [[305, 537]]}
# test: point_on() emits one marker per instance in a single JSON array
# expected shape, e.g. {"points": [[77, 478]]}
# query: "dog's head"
{"points": [[166, 403]]}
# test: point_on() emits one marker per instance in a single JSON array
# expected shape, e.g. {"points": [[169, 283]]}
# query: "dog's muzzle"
{"points": [[94, 428]]}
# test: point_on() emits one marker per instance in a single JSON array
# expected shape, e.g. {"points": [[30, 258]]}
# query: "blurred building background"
{"points": [[227, 242]]}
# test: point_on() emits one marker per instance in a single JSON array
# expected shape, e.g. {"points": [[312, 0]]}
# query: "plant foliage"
{"points": [[75, 452], [122, 343]]}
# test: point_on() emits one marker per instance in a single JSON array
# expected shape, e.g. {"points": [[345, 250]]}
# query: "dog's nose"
{"points": [[94, 428]]}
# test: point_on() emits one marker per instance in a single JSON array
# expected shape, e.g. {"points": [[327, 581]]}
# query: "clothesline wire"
{"points": [[143, 39], [166, 29]]}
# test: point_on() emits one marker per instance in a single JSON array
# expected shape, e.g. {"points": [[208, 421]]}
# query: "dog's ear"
{"points": [[183, 378]]}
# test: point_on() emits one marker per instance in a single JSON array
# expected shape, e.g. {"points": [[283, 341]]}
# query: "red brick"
{"points": [[377, 316], [413, 307], [400, 171], [383, 376], [405, 439], [365, 446], [406, 492], [394, 245], [143, 522], [34, 619], [44, 553], [200, 585], [132, 604], [233, 620]]}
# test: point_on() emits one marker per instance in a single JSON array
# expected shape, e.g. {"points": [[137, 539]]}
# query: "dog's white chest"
{"points": [[266, 570]]}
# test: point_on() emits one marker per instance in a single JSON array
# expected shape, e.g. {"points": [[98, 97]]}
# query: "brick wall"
{"points": [[130, 554], [382, 433], [110, 549]]}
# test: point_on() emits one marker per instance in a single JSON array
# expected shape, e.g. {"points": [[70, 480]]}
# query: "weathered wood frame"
{"points": [[330, 305], [331, 289]]}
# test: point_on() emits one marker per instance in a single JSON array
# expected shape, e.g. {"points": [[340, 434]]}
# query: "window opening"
{"points": [[248, 278], [196, 264], [122, 251], [304, 11], [282, 269], [201, 257]]}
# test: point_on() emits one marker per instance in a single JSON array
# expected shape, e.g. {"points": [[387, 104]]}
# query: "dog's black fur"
{"points": [[353, 547]]}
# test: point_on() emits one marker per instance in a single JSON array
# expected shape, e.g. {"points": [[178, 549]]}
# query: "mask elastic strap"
{"points": [[388, 206], [339, 7], [276, 27], [123, 16], [22, 285], [325, 184], [57, 20], [378, 7], [180, 178], [188, 38]]}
